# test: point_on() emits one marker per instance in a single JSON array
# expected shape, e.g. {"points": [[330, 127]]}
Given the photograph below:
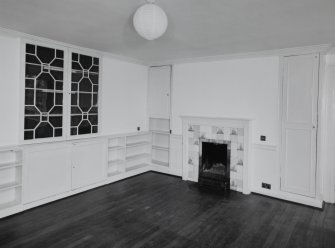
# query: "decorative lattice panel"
{"points": [[44, 73], [84, 94]]}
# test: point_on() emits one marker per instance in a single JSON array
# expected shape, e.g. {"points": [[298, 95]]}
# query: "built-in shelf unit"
{"points": [[160, 129], [138, 151], [128, 152], [10, 177], [116, 155]]}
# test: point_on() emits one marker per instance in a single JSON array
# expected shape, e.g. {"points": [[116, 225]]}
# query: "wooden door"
{"points": [[159, 91], [46, 171], [299, 124], [89, 163]]}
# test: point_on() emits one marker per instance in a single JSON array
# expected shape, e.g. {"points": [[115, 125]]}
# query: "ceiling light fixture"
{"points": [[150, 21]]}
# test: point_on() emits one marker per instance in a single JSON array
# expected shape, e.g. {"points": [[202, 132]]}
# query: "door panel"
{"points": [[300, 90], [46, 172], [159, 91], [299, 124], [298, 177], [89, 163]]}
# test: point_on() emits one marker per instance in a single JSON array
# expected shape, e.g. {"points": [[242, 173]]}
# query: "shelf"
{"points": [[9, 204], [159, 117], [157, 162], [7, 186], [135, 167], [140, 133], [111, 148], [160, 148], [138, 156], [141, 143], [10, 165], [164, 132], [115, 161]]}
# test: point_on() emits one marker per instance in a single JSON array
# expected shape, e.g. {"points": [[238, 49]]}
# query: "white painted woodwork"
{"points": [[46, 171], [265, 167], [159, 88], [176, 154], [299, 124], [88, 163]]}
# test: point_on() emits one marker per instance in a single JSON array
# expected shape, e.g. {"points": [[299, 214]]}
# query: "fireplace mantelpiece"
{"points": [[234, 130]]}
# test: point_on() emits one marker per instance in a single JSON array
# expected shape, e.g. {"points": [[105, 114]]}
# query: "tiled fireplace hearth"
{"points": [[236, 132]]}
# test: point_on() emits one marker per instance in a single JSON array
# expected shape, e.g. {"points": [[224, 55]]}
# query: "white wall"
{"points": [[124, 99], [246, 88], [124, 93], [9, 90]]}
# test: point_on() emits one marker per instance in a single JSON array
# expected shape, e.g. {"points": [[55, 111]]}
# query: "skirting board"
{"points": [[164, 170], [292, 198]]}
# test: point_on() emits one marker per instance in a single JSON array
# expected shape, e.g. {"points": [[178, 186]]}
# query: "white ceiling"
{"points": [[197, 28]]}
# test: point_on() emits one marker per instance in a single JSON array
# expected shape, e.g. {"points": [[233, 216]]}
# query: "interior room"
{"points": [[167, 123]]}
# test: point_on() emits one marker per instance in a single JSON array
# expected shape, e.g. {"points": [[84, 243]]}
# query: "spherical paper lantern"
{"points": [[150, 21]]}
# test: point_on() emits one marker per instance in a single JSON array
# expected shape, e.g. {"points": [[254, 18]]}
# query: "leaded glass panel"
{"points": [[44, 73], [84, 94]]}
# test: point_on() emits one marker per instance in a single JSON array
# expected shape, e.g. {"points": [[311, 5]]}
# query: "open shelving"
{"points": [[138, 151], [116, 156], [10, 177], [160, 128], [128, 152]]}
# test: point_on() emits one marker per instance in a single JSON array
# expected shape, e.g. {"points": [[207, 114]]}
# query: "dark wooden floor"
{"points": [[154, 210]]}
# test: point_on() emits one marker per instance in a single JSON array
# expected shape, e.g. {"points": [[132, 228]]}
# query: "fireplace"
{"points": [[214, 164]]}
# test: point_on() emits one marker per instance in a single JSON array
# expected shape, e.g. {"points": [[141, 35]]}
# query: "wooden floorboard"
{"points": [[155, 210]]}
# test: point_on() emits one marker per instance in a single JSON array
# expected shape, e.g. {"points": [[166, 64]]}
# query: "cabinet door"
{"points": [[299, 124], [46, 171], [89, 162], [159, 91]]}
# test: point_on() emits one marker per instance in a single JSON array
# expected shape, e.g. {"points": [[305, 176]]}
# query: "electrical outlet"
{"points": [[263, 138], [138, 128], [266, 186]]}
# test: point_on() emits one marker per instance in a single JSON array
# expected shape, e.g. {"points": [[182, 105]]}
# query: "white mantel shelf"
{"points": [[193, 117]]}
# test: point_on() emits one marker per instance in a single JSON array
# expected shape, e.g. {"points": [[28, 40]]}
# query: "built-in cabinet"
{"points": [[88, 163], [32, 175], [299, 124], [159, 91], [46, 171], [52, 169], [159, 105], [61, 93]]}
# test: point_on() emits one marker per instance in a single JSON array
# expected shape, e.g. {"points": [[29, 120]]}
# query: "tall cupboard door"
{"points": [[299, 124], [89, 163], [159, 91]]}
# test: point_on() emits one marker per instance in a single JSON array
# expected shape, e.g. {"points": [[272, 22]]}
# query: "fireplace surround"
{"points": [[235, 131]]}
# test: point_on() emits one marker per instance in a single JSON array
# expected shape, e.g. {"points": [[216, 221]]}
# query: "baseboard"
{"points": [[313, 202], [165, 170]]}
